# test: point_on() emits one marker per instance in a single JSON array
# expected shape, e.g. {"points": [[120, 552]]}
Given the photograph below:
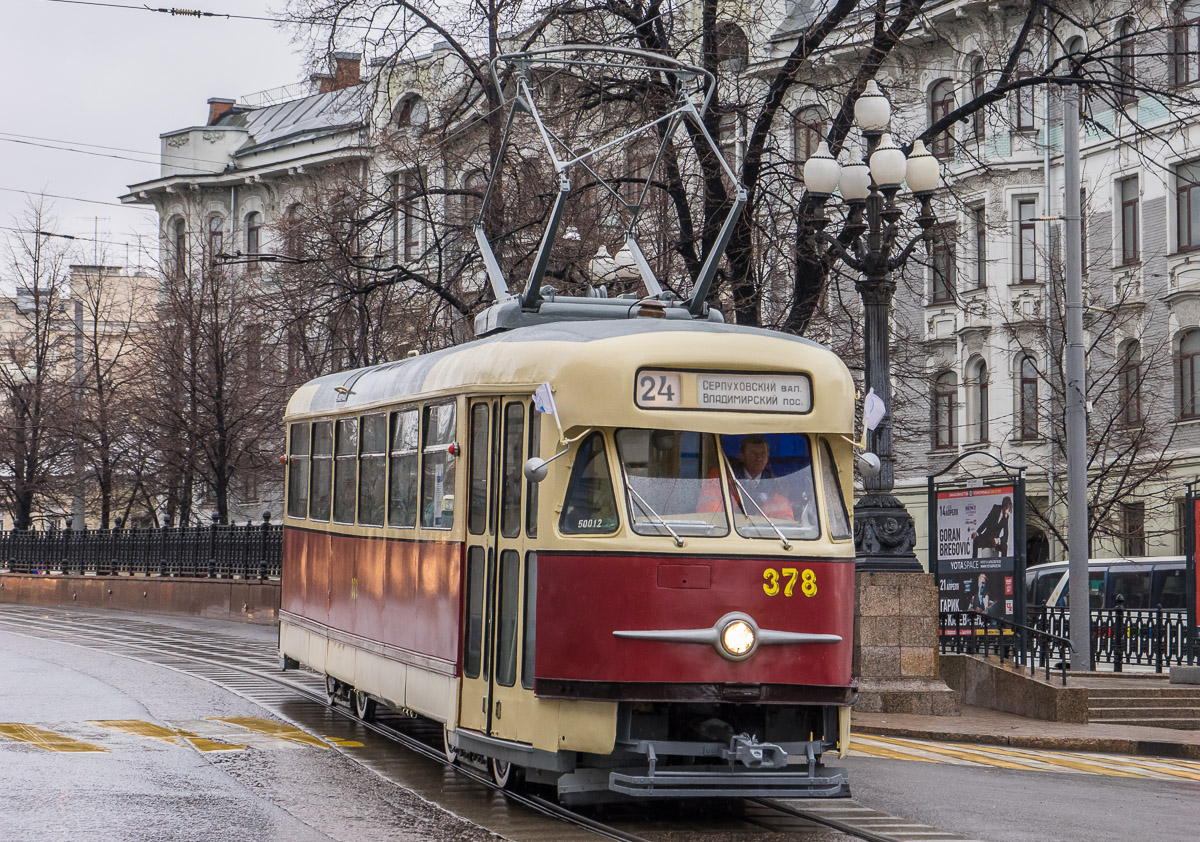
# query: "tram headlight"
{"points": [[738, 638]]}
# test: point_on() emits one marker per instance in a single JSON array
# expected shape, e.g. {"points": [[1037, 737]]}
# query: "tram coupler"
{"points": [[752, 754]]}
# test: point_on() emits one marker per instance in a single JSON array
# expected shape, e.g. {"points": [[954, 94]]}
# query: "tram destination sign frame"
{"points": [[781, 392], [977, 546]]}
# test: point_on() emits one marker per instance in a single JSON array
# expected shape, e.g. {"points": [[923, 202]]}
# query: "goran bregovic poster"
{"points": [[975, 546]]}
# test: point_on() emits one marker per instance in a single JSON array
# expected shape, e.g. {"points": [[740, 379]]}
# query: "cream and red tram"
{"points": [[642, 621]]}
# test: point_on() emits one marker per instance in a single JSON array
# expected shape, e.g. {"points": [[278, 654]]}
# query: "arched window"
{"points": [[1189, 375], [977, 400], [253, 233], [1185, 43], [732, 46], [1126, 61], [216, 236], [945, 416], [178, 231], [1026, 99], [412, 112], [978, 88], [1131, 382], [808, 131], [1027, 399], [941, 103], [293, 234]]}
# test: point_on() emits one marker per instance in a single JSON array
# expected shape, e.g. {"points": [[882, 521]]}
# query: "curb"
{"points": [[1106, 745]]}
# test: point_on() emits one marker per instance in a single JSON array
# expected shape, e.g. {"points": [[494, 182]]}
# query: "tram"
{"points": [[607, 545], [639, 621]]}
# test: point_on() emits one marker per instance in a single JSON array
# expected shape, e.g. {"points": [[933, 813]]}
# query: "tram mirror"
{"points": [[868, 465], [535, 469]]}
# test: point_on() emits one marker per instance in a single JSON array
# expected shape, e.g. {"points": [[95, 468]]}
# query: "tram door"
{"points": [[496, 569]]}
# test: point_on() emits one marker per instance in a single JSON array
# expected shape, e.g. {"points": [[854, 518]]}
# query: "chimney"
{"points": [[323, 82], [346, 70], [218, 108]]}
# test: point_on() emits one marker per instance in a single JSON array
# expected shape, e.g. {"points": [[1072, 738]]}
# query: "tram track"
{"points": [[249, 670]]}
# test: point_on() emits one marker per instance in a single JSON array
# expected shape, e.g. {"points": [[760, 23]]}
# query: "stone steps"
{"points": [[1154, 705], [1127, 702], [1178, 723]]}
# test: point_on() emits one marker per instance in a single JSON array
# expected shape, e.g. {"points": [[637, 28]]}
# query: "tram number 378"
{"points": [[775, 581]]}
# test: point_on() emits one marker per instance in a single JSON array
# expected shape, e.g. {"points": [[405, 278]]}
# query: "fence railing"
{"points": [[975, 633], [1121, 636], [210, 552]]}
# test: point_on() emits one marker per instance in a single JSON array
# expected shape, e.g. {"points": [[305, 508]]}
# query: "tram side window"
{"points": [[531, 488], [590, 507], [477, 490], [371, 469], [473, 631], [437, 478], [402, 490], [322, 470], [506, 643], [835, 504], [529, 638], [510, 498], [298, 470], [345, 464]]}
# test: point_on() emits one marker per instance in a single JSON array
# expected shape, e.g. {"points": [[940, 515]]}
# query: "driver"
{"points": [[753, 470]]}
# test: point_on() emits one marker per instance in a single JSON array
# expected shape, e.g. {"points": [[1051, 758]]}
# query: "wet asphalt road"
{"points": [[142, 788]]}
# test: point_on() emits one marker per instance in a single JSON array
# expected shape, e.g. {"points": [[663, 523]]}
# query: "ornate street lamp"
{"points": [[884, 533]]}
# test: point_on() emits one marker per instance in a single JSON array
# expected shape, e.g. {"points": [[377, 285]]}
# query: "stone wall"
{"points": [[247, 601], [989, 684], [895, 645]]}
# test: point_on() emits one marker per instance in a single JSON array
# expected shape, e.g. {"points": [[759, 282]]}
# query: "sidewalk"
{"points": [[977, 725]]}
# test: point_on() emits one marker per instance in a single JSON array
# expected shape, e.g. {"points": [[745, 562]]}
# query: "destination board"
{"points": [[719, 390]]}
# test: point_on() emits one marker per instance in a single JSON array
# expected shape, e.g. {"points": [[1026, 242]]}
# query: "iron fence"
{"points": [[1152, 637], [975, 633], [209, 552]]}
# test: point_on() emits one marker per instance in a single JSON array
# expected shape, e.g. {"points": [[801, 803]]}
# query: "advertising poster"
{"points": [[975, 550]]}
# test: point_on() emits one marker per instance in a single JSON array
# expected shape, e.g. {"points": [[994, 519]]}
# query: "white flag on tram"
{"points": [[543, 400], [873, 410]]}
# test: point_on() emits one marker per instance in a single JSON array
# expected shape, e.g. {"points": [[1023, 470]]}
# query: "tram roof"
{"points": [[588, 363]]}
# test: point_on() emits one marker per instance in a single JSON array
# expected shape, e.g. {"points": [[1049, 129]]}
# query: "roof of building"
{"points": [[300, 119]]}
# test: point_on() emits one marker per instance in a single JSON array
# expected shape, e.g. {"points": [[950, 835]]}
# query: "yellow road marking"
{"points": [[875, 751], [338, 741], [141, 728], [273, 729], [1163, 767], [950, 752], [45, 740], [1058, 760]]}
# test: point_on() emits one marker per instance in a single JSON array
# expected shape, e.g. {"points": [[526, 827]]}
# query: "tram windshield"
{"points": [[771, 481], [674, 484]]}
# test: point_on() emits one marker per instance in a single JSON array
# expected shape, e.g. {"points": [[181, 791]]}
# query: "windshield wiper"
{"points": [[656, 515], [746, 495]]}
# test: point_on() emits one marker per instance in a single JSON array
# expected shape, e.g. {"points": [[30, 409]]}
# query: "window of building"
{"points": [[253, 233], [293, 234], [345, 465], [1027, 399], [1131, 383], [474, 189], [1185, 43], [216, 236], [731, 137], [941, 103], [1180, 530], [1127, 192], [372, 469], [437, 478], [298, 470], [179, 248], [1189, 374], [1187, 205], [945, 278], [945, 399], [1026, 241], [1126, 61], [412, 112], [807, 133], [978, 87], [732, 46], [402, 482], [1133, 528], [409, 233], [979, 233], [1026, 96], [977, 386]]}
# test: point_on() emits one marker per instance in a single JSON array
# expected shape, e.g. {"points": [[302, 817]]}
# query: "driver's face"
{"points": [[755, 457]]}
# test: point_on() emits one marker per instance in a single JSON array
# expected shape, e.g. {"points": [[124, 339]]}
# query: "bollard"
{"points": [[1119, 642]]}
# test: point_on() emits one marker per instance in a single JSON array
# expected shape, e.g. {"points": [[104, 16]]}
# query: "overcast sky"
{"points": [[118, 78]]}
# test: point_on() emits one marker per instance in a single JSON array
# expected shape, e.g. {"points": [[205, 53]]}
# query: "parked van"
{"points": [[1145, 582]]}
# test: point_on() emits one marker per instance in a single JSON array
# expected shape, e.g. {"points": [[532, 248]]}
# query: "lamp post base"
{"points": [[884, 535]]}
